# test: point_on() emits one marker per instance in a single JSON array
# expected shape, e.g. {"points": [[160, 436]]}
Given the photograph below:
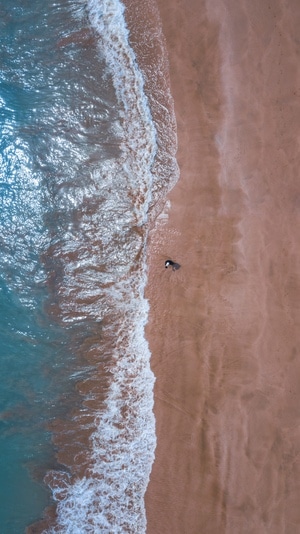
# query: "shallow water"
{"points": [[79, 173]]}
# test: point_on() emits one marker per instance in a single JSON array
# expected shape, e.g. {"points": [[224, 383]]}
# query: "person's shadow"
{"points": [[175, 266]]}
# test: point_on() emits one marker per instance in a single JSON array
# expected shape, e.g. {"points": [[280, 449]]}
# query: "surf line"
{"points": [[110, 494]]}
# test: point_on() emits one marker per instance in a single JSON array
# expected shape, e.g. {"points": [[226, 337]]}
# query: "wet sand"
{"points": [[224, 328]]}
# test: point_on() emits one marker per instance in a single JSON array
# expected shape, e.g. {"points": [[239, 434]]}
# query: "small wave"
{"points": [[103, 279], [139, 135], [110, 498]]}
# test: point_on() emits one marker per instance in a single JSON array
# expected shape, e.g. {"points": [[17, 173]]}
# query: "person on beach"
{"points": [[173, 264]]}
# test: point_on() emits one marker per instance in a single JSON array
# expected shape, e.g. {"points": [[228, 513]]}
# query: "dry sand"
{"points": [[224, 329]]}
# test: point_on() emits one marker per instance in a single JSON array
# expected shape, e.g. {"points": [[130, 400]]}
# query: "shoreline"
{"points": [[223, 330]]}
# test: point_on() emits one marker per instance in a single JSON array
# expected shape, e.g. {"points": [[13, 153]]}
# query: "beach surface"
{"points": [[224, 328]]}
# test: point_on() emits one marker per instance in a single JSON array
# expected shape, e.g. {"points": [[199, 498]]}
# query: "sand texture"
{"points": [[224, 329]]}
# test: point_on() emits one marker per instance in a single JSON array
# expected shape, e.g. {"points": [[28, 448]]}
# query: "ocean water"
{"points": [[87, 154]]}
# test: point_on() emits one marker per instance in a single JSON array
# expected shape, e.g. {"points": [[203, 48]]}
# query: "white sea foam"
{"points": [[139, 136], [110, 497]]}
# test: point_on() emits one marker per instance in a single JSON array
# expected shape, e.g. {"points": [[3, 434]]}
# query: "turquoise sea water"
{"points": [[78, 173], [34, 381]]}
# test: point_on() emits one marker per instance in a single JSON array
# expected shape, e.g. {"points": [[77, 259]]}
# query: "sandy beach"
{"points": [[224, 329]]}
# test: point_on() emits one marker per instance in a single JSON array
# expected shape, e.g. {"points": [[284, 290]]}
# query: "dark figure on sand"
{"points": [[173, 264]]}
